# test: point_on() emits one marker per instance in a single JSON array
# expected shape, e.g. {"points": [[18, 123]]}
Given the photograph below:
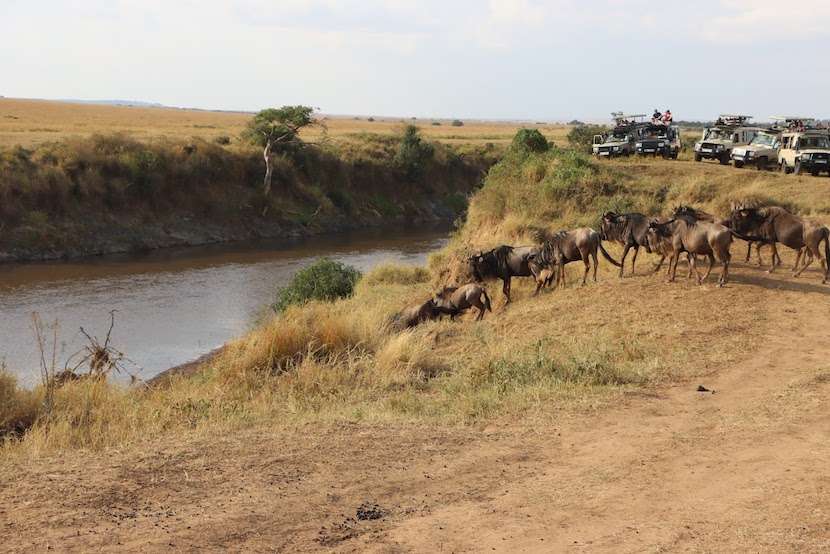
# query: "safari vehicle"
{"points": [[622, 138], [807, 149], [659, 140], [719, 140], [762, 151]]}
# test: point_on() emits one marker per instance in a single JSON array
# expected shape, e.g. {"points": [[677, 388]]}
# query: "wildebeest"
{"points": [[418, 313], [663, 245], [570, 246], [814, 234], [759, 241], [454, 300], [776, 224], [697, 237], [628, 229], [504, 262]]}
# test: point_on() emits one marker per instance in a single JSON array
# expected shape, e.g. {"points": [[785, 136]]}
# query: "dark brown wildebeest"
{"points": [[569, 246], [630, 230], [775, 224], [504, 262], [697, 237], [454, 300], [413, 315]]}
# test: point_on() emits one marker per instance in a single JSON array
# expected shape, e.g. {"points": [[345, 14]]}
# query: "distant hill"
{"points": [[136, 103]]}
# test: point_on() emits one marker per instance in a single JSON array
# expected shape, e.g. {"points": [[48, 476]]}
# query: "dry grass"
{"points": [[32, 122], [576, 349]]}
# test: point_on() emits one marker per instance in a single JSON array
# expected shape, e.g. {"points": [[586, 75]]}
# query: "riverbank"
{"points": [[112, 194]]}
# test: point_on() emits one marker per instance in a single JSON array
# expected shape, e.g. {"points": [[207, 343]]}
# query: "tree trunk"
{"points": [[269, 169]]}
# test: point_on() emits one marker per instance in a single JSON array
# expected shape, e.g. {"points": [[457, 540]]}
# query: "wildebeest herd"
{"points": [[688, 230]]}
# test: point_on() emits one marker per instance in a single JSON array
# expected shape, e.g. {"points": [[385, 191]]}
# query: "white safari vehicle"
{"points": [[719, 140], [622, 138], [805, 149]]}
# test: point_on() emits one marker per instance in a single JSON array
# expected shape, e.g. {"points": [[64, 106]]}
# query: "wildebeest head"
{"points": [[660, 228], [609, 225], [477, 264], [747, 219]]}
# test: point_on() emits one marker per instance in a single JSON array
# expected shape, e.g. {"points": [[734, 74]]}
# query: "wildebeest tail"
{"points": [[607, 256], [486, 300]]}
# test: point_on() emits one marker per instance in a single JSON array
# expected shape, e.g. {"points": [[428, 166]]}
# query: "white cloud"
{"points": [[768, 20]]}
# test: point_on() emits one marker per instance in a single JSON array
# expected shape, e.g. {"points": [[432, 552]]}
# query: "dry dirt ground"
{"points": [[667, 469]]}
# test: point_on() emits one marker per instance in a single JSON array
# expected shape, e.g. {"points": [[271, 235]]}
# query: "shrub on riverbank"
{"points": [[324, 280]]}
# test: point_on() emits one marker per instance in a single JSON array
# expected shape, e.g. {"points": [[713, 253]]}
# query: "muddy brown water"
{"points": [[177, 304]]}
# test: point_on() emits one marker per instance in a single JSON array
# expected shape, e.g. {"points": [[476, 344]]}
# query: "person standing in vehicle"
{"points": [[667, 118], [656, 116]]}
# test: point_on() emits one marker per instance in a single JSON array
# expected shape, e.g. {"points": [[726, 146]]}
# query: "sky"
{"points": [[487, 59]]}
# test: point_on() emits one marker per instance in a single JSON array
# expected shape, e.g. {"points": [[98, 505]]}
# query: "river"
{"points": [[173, 305]]}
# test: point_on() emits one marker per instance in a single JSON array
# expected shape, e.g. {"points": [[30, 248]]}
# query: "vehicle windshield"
{"points": [[718, 134], [814, 142], [763, 140]]}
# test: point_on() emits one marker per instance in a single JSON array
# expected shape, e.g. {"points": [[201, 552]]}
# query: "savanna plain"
{"points": [[565, 422]]}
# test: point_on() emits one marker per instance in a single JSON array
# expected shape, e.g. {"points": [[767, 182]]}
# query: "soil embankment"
{"points": [[112, 194]]}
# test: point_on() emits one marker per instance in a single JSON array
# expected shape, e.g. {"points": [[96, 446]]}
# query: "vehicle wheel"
{"points": [[761, 164], [739, 164], [724, 159], [784, 169], [674, 155], [797, 167], [814, 173], [697, 157]]}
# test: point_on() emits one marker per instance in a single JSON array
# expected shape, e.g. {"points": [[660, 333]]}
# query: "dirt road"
{"points": [[743, 468]]}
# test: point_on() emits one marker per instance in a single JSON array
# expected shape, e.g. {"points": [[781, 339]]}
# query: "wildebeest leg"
{"points": [[587, 261], [596, 265], [506, 289], [689, 258], [622, 261], [673, 265], [634, 259], [796, 273], [774, 256], [711, 264], [808, 259], [659, 263], [748, 251], [693, 262], [476, 302]]}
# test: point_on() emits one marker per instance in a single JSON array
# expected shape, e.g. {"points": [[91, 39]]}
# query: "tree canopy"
{"points": [[274, 125]]}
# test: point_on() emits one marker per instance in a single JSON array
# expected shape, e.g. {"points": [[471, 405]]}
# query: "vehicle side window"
{"points": [[735, 138]]}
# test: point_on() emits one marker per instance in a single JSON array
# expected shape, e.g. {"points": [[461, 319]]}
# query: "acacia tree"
{"points": [[274, 128]]}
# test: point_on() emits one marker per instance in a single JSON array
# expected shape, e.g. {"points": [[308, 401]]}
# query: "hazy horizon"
{"points": [[511, 60]]}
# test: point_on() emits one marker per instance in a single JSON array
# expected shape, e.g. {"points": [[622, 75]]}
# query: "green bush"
{"points": [[529, 140], [581, 137], [325, 280], [457, 123], [413, 153], [222, 139]]}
